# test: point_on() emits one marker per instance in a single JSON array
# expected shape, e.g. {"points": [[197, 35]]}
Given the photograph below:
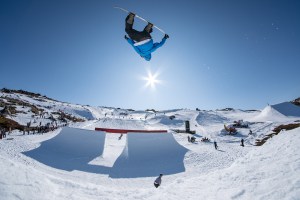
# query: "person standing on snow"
{"points": [[157, 181], [141, 41], [216, 146], [242, 142]]}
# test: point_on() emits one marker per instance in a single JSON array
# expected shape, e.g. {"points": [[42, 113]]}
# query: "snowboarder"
{"points": [[157, 181], [141, 41], [216, 146], [242, 142]]}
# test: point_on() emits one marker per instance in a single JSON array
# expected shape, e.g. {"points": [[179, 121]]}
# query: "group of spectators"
{"points": [[41, 129]]}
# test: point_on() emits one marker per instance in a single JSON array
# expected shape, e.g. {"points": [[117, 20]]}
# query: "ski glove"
{"points": [[126, 38], [166, 36]]}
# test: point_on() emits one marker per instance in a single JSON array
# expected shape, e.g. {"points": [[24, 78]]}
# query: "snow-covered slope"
{"points": [[269, 114], [278, 113], [270, 171]]}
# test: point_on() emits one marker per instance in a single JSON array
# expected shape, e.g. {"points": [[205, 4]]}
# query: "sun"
{"points": [[151, 80]]}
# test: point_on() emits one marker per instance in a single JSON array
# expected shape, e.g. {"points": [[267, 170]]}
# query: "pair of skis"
{"points": [[140, 18]]}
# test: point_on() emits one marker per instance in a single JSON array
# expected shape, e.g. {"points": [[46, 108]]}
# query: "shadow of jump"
{"points": [[148, 155], [72, 149]]}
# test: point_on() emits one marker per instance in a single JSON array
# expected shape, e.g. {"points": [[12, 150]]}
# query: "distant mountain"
{"points": [[19, 107]]}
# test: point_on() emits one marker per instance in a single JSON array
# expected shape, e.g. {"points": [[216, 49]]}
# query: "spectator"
{"points": [[242, 142], [216, 146]]}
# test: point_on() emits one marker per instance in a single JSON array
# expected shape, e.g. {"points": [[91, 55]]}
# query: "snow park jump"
{"points": [[145, 154]]}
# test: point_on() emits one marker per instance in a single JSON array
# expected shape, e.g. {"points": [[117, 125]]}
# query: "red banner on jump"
{"points": [[124, 131]]}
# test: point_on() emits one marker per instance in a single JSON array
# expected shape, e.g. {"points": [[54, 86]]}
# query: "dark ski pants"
{"points": [[156, 185], [134, 34]]}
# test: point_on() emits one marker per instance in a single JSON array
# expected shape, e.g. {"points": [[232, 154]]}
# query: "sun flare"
{"points": [[151, 80]]}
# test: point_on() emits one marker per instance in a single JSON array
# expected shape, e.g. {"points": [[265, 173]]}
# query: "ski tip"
{"points": [[118, 7]]}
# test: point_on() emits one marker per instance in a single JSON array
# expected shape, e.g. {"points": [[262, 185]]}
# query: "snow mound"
{"points": [[72, 149], [85, 113], [148, 155], [269, 114], [165, 120], [253, 177], [119, 123], [287, 109], [204, 118]]}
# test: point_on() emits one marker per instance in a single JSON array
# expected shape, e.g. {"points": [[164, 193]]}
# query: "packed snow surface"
{"points": [[79, 163]]}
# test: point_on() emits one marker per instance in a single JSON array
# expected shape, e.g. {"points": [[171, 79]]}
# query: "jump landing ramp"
{"points": [[149, 154], [144, 155]]}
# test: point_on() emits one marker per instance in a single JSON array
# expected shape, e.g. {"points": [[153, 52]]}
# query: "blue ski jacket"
{"points": [[145, 49]]}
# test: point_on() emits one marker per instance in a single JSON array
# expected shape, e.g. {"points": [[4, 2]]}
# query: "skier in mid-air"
{"points": [[141, 41]]}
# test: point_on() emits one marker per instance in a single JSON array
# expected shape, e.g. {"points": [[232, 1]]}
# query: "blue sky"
{"points": [[241, 54]]}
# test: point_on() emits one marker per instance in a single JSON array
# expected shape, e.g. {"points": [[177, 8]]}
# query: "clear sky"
{"points": [[235, 53]]}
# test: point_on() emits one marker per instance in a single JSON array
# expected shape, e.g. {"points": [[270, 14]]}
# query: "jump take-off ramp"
{"points": [[145, 154]]}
